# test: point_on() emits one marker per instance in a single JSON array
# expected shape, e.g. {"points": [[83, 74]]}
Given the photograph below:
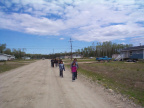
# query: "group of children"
{"points": [[74, 67], [55, 62]]}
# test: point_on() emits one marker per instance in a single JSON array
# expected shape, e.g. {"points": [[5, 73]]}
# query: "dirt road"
{"points": [[37, 85]]}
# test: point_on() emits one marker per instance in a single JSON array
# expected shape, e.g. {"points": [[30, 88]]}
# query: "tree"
{"points": [[103, 49], [2, 48], [8, 51]]}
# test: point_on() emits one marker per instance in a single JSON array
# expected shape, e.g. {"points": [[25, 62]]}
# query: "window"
{"points": [[130, 53]]}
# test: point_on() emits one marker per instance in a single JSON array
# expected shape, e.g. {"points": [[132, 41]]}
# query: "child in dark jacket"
{"points": [[61, 68], [73, 70]]}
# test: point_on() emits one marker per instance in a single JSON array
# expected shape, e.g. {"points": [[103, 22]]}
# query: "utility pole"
{"points": [[71, 47]]}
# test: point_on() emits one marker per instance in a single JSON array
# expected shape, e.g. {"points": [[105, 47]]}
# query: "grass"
{"points": [[79, 60], [8, 65], [124, 78]]}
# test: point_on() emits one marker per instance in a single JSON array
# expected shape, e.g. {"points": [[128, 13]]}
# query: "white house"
{"points": [[10, 57], [77, 56], [3, 57], [26, 58]]}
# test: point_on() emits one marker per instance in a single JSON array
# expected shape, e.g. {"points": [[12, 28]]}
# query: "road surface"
{"points": [[38, 85]]}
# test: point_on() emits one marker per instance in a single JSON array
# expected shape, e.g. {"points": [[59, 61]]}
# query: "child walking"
{"points": [[74, 70], [61, 68], [76, 63]]}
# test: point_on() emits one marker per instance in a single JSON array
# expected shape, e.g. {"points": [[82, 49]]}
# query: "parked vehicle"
{"points": [[131, 60], [105, 58], [43, 58]]}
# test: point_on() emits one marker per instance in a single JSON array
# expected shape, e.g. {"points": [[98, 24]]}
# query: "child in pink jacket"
{"points": [[74, 70]]}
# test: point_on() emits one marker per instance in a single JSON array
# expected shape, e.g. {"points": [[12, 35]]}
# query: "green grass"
{"points": [[79, 60], [8, 65], [124, 78]]}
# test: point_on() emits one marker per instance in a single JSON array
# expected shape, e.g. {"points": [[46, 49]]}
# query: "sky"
{"points": [[46, 26]]}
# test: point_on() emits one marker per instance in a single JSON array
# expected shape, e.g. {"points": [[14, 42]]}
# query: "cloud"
{"points": [[85, 20], [61, 38], [29, 24], [137, 40]]}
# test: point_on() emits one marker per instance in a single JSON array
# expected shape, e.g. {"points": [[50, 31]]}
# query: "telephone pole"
{"points": [[71, 47]]}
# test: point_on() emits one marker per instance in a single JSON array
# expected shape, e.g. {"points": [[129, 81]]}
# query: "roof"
{"points": [[7, 55], [3, 54], [133, 48]]}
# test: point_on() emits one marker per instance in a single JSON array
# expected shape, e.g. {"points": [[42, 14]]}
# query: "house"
{"points": [[136, 52], [10, 57], [3, 57], [64, 57], [77, 56], [67, 57], [26, 58]]}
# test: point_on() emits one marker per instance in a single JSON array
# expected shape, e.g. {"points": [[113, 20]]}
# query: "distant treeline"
{"points": [[96, 50], [102, 49], [19, 53]]}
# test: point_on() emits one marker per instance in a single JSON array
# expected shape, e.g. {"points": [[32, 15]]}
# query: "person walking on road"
{"points": [[56, 62], [61, 68], [73, 70], [52, 62], [76, 63]]}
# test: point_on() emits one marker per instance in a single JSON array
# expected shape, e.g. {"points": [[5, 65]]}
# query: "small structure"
{"points": [[117, 57], [26, 58], [63, 57], [66, 57], [135, 53], [10, 57], [77, 56], [114, 56]]}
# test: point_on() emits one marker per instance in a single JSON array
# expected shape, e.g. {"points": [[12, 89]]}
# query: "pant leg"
{"points": [[73, 75], [76, 75], [61, 73]]}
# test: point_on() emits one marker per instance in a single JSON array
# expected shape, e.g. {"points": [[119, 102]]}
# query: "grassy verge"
{"points": [[124, 78], [79, 60], [8, 65]]}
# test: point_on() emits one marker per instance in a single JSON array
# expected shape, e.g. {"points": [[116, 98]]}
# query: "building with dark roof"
{"points": [[136, 52]]}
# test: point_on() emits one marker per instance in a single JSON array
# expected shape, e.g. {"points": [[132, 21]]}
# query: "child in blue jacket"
{"points": [[61, 68]]}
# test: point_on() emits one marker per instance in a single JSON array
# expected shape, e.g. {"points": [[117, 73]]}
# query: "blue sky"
{"points": [[45, 26]]}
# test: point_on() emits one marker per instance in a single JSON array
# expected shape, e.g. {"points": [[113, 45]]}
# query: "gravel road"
{"points": [[38, 85]]}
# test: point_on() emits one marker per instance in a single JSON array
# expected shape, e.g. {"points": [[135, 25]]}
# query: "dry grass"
{"points": [[8, 65], [127, 78]]}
